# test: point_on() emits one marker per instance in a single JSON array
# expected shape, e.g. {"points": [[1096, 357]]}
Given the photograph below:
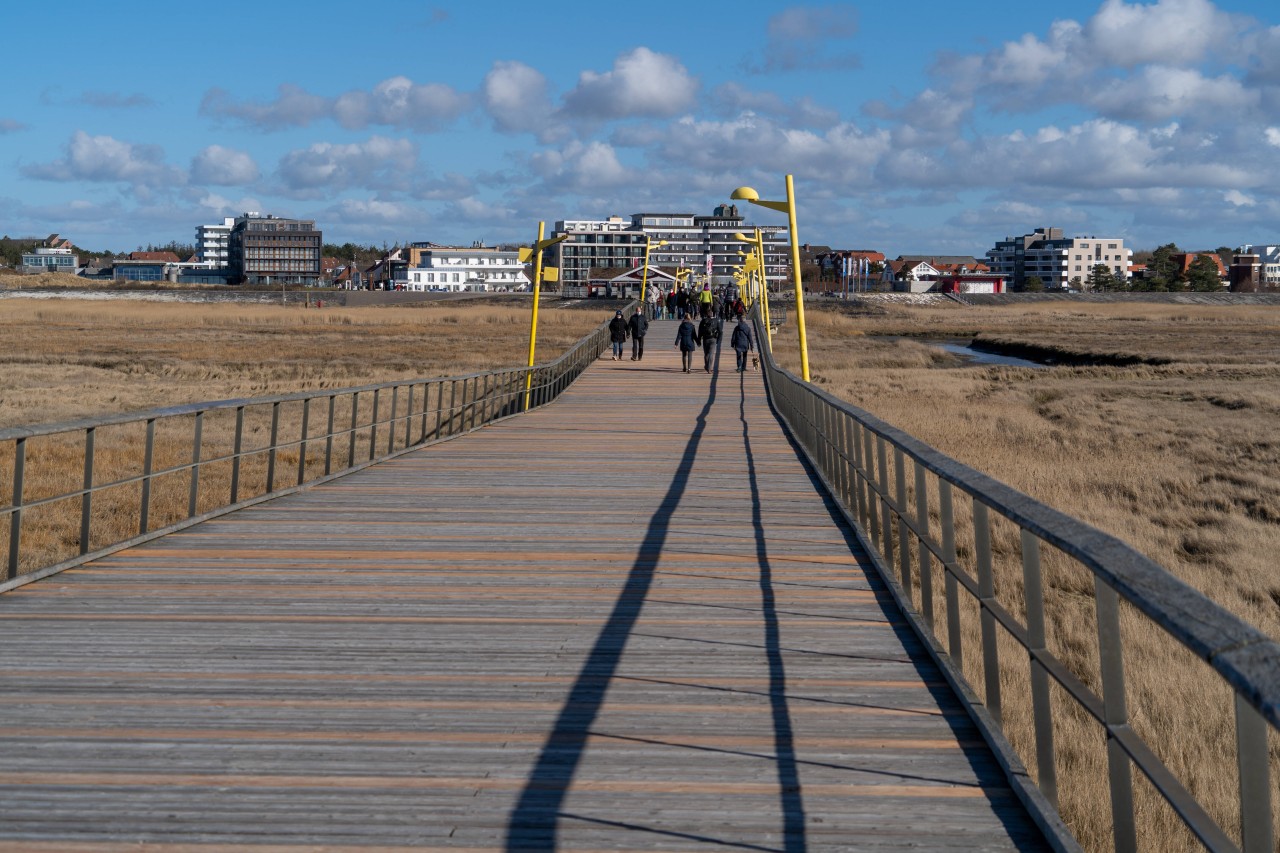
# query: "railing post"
{"points": [[426, 401], [302, 445], [271, 451], [987, 597], [922, 552], [351, 434], [391, 423], [373, 425], [947, 523], [86, 499], [904, 535], [408, 418], [1115, 711], [859, 478], [236, 454], [1041, 701], [1255, 788], [148, 456], [328, 438], [439, 409], [15, 519], [886, 511], [873, 503], [196, 441]]}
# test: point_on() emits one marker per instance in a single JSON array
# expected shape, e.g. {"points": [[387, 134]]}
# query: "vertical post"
{"points": [[873, 505], [453, 398], [948, 525], [86, 499], [987, 597], [15, 519], [426, 400], [373, 425], [1255, 788], [859, 478], [236, 455], [904, 535], [328, 440], [886, 516], [302, 445], [148, 457], [391, 422], [533, 322], [271, 451], [351, 434], [795, 266], [408, 417], [439, 408], [196, 442], [1041, 701], [922, 553], [1115, 710]]}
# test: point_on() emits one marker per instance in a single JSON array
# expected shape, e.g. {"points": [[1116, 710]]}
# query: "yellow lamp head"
{"points": [[744, 194], [738, 235]]}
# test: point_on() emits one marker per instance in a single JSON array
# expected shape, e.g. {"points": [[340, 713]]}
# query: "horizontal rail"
{"points": [[863, 462], [175, 478]]}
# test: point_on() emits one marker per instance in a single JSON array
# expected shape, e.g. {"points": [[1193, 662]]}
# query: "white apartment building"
{"points": [[704, 244], [433, 267], [213, 244], [1057, 260], [1268, 261]]}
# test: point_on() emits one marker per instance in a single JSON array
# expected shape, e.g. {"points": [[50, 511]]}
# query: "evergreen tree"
{"points": [[1203, 274], [1102, 279], [1033, 284]]}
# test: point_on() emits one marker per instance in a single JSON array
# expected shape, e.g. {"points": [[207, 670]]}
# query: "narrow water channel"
{"points": [[974, 357]]}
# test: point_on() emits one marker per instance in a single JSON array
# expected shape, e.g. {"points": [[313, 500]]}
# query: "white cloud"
{"points": [[1272, 135], [581, 166], [516, 98], [642, 83], [8, 125], [327, 167], [105, 159], [223, 167], [399, 102], [1168, 32], [293, 107], [798, 38], [1159, 93], [734, 98], [1238, 199]]}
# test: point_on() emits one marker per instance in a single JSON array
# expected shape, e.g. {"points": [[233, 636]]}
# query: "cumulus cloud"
{"points": [[733, 98], [808, 37], [395, 102], [223, 167], [104, 159], [1159, 93], [9, 125], [326, 167], [1272, 135], [641, 84], [581, 166], [1235, 198], [293, 107], [516, 98]]}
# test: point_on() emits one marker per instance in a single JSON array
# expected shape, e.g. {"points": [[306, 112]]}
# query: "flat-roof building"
{"points": [[272, 250]]}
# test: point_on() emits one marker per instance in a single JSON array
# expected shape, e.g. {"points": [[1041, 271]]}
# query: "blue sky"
{"points": [[910, 127]]}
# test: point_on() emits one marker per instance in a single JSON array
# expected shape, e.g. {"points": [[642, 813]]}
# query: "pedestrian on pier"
{"points": [[687, 342], [638, 326], [709, 335], [618, 332], [741, 342]]}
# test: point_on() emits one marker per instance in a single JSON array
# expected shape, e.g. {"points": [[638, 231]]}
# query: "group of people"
{"points": [[689, 337], [723, 302]]}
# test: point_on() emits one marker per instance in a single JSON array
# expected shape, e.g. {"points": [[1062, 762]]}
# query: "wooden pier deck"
{"points": [[629, 620]]}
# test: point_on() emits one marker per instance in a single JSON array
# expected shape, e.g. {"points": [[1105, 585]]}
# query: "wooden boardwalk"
{"points": [[627, 621]]}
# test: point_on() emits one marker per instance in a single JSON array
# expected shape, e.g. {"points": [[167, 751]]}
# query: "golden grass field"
{"points": [[1178, 457]]}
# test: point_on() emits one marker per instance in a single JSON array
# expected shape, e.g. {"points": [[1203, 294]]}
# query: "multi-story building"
{"points": [[47, 259], [433, 267], [213, 244], [1268, 263], [1057, 260], [271, 250], [704, 244]]}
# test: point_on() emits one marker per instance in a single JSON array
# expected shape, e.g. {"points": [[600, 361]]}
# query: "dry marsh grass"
{"points": [[1178, 458]]}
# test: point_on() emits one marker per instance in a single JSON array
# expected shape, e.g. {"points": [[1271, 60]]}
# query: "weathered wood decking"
{"points": [[629, 620]]}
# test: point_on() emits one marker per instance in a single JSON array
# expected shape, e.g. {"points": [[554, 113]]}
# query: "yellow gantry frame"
{"points": [[755, 263], [552, 274], [644, 276], [788, 207]]}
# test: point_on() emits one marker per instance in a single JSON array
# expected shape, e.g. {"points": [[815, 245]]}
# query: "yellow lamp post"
{"points": [[551, 274], [644, 276], [788, 207], [757, 243]]}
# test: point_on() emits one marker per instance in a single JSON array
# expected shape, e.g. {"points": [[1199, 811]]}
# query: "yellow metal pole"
{"points": [[764, 286], [644, 276], [533, 327], [795, 266]]}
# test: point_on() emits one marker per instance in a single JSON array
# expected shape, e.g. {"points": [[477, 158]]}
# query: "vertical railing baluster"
{"points": [[439, 409], [328, 438], [408, 418], [1116, 714], [351, 434], [373, 425], [948, 526], [986, 598], [302, 445], [15, 519], [148, 460], [922, 550], [886, 511], [1255, 787], [873, 497], [426, 401], [391, 422], [237, 453], [904, 535], [453, 399], [86, 499], [859, 474], [271, 448], [1041, 700], [197, 442]]}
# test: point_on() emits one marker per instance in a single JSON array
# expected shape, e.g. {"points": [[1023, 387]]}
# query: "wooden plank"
{"points": [[626, 621]]}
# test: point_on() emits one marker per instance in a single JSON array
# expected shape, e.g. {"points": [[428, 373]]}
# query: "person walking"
{"points": [[704, 300], [618, 332], [709, 335], [742, 343], [687, 342], [654, 300], [638, 326], [671, 305]]}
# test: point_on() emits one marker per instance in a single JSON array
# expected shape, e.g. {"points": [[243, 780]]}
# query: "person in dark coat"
{"points": [[741, 342], [709, 335], [618, 332], [687, 341], [638, 326]]}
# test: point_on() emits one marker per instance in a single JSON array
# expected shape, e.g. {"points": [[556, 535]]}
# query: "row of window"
{"points": [[280, 253], [286, 266]]}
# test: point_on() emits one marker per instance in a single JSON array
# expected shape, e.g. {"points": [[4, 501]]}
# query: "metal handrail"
{"points": [[851, 449], [442, 407]]}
